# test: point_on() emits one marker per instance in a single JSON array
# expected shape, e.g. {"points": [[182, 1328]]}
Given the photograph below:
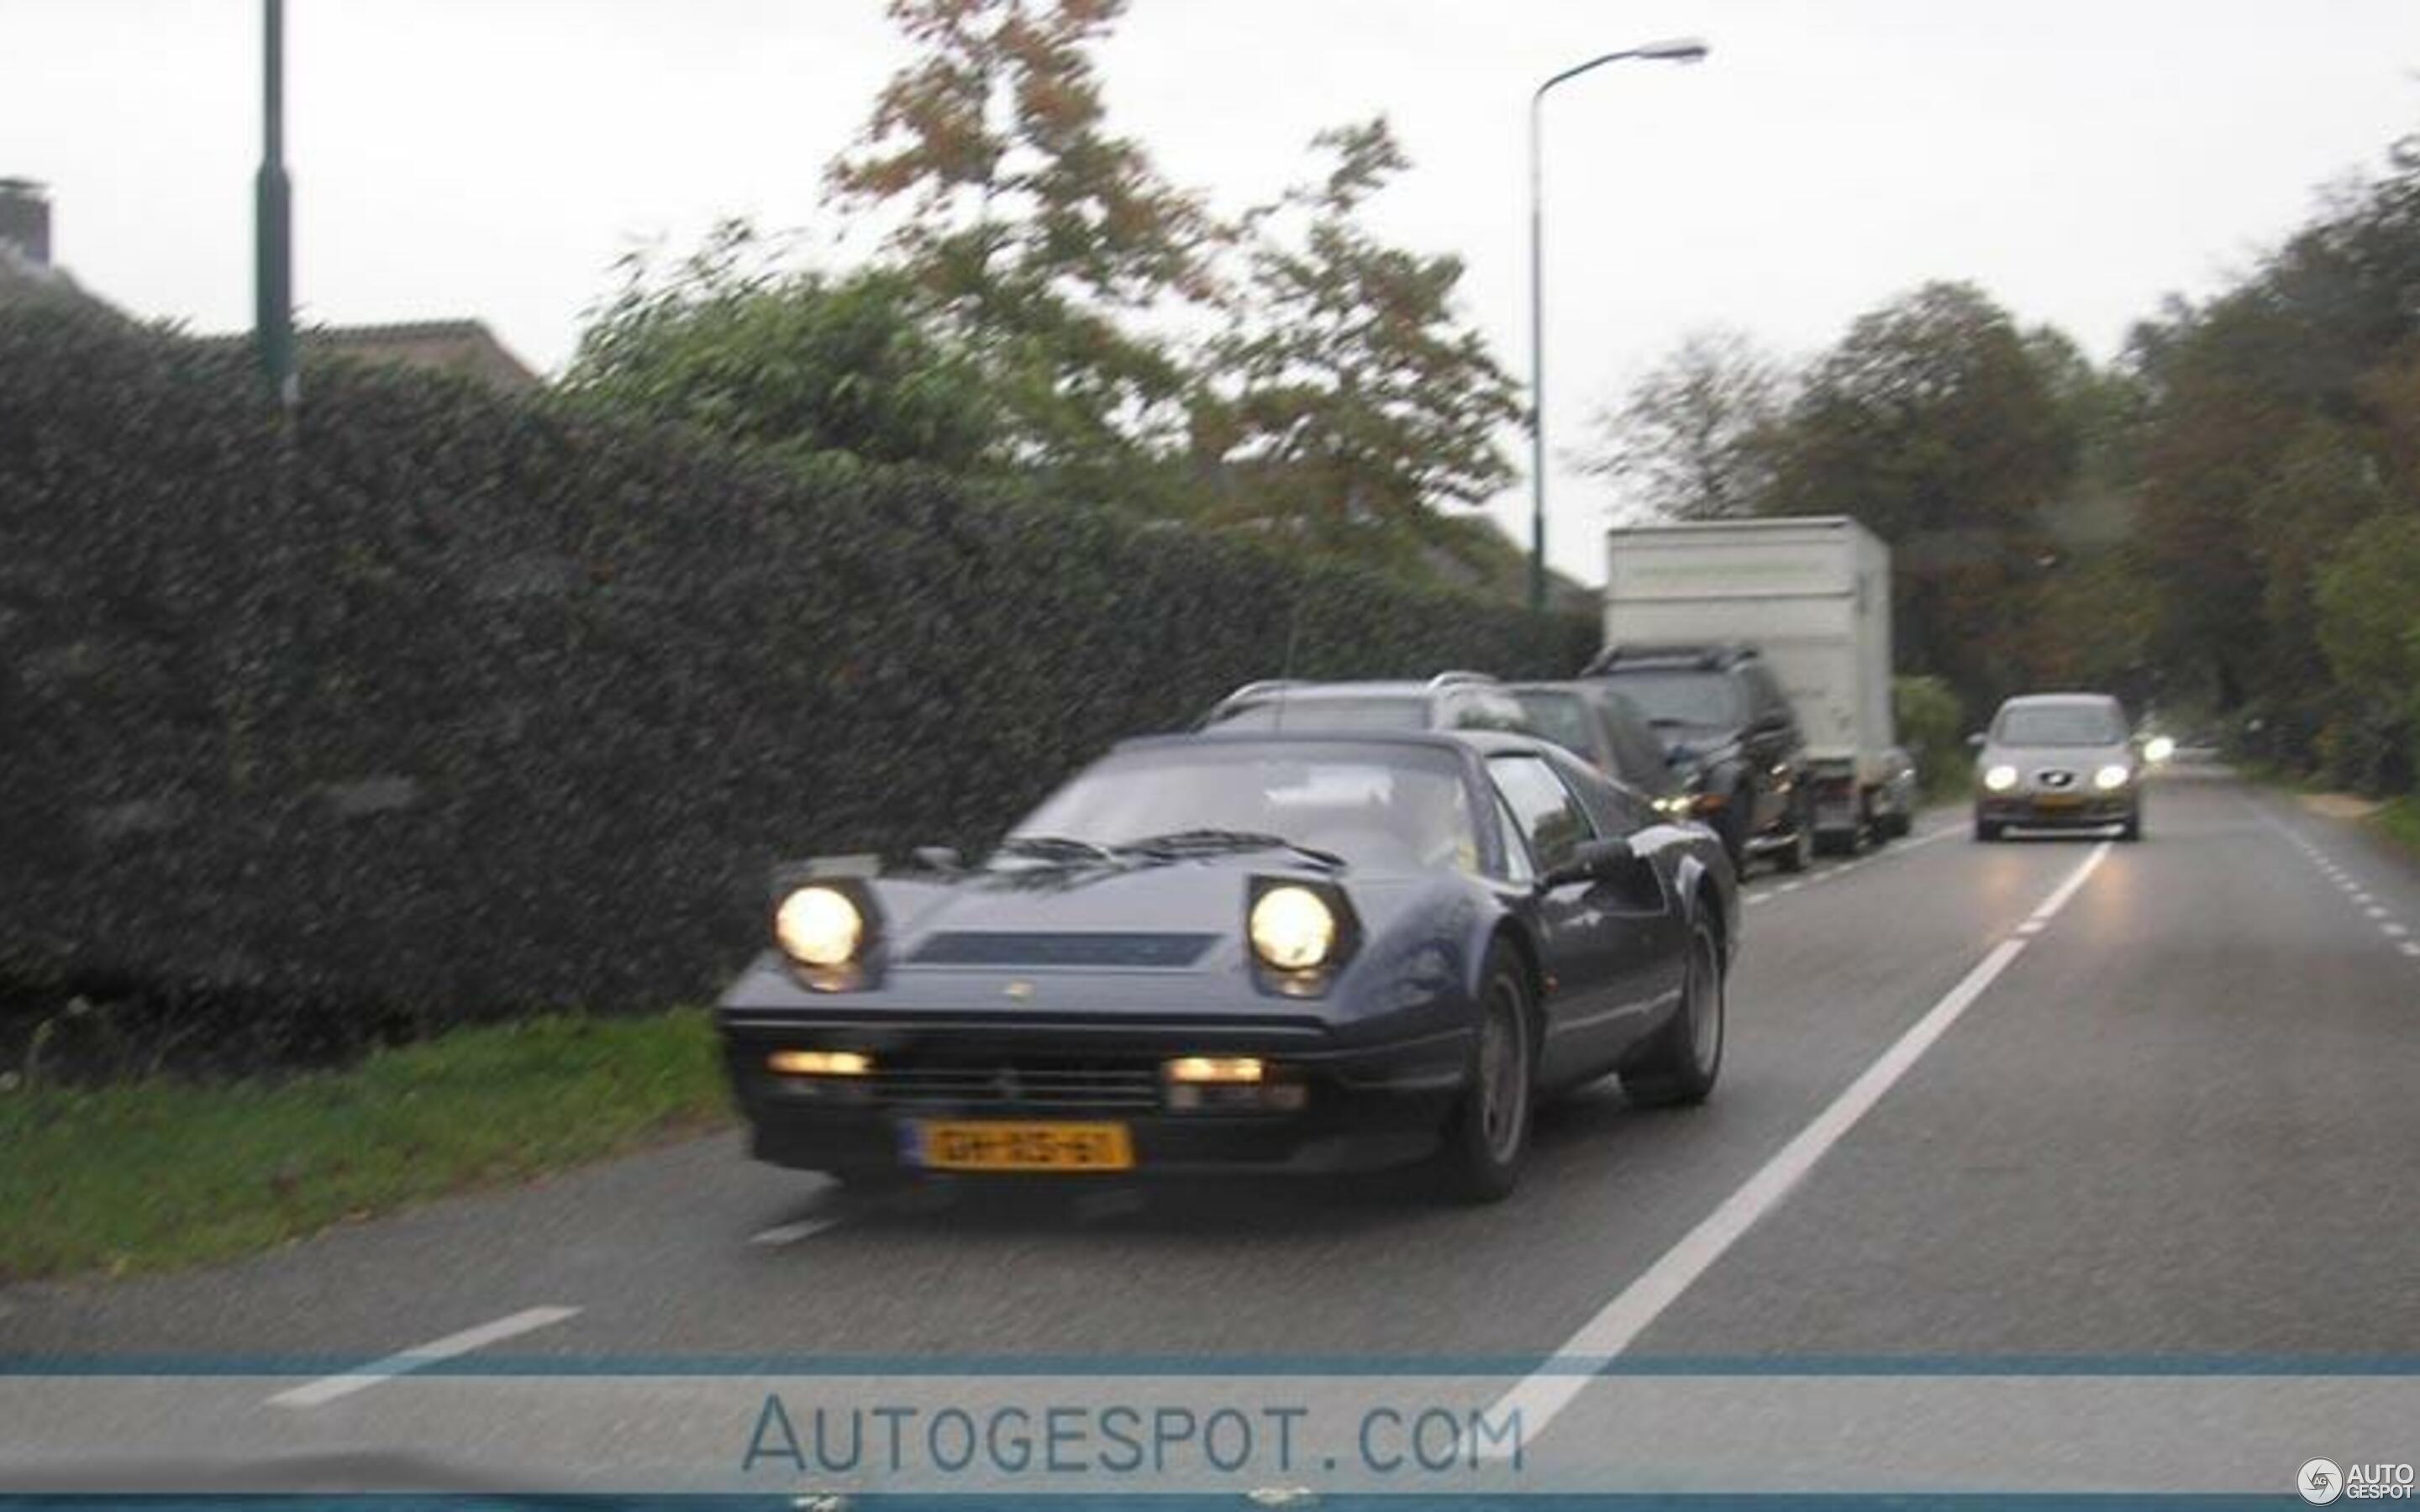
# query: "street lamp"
{"points": [[273, 321], [1679, 50]]}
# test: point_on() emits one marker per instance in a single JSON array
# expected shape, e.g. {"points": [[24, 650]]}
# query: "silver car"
{"points": [[2058, 761]]}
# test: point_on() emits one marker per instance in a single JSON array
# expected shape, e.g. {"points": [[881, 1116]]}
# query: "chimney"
{"points": [[25, 220]]}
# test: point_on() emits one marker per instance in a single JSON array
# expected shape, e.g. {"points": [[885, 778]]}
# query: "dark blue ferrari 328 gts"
{"points": [[1246, 952]]}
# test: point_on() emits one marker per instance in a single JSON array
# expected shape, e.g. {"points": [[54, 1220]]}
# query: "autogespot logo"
{"points": [[2321, 1482]]}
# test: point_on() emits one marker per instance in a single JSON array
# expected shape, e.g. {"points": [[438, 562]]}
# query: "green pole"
{"points": [[272, 220]]}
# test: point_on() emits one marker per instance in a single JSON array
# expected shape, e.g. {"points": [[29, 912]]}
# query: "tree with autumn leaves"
{"points": [[2224, 520], [1284, 373]]}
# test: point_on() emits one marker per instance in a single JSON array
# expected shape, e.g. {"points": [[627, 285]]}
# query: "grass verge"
{"points": [[160, 1173], [2399, 821]]}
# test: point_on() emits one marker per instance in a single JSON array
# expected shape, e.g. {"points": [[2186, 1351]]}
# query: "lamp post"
{"points": [[1680, 50], [273, 321]]}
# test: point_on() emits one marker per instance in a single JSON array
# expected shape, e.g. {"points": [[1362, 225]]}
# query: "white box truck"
{"points": [[1811, 595]]}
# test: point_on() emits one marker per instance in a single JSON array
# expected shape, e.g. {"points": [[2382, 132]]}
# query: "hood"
{"points": [[2083, 760], [1162, 915], [1135, 937], [1689, 746], [1152, 915]]}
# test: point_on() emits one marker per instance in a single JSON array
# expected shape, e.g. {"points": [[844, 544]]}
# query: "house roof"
{"points": [[466, 347], [22, 279]]}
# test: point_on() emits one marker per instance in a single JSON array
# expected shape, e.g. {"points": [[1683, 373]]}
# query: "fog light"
{"points": [[1229, 1069], [821, 1062]]}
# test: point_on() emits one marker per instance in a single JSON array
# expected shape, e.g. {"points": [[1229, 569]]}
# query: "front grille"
{"points": [[1072, 1086]]}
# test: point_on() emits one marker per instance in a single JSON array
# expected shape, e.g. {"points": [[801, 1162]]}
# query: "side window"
{"points": [[1486, 710], [1543, 809], [1766, 693], [1610, 808], [1644, 764], [1517, 867]]}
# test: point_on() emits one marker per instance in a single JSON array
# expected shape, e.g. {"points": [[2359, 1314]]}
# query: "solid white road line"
{"points": [[329, 1388], [2058, 900], [792, 1233], [1616, 1326]]}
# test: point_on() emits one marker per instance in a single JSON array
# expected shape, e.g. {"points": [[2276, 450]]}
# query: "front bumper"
{"points": [[2058, 810], [1362, 1108]]}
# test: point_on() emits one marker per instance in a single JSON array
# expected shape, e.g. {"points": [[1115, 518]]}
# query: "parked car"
{"points": [[1246, 953], [1732, 738], [2060, 760], [1448, 700], [1606, 731]]}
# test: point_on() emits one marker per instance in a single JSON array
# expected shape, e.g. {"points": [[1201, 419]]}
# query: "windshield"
{"points": [[1328, 711], [1681, 697], [2059, 724], [1379, 809]]}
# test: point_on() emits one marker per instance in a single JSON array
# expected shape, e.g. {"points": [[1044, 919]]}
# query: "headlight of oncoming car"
{"points": [[819, 926], [2000, 778], [2111, 775], [1292, 928]]}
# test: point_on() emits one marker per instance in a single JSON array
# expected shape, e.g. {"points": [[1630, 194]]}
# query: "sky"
{"points": [[493, 157]]}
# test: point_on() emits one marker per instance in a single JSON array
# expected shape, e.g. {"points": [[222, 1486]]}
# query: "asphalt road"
{"points": [[2045, 1098]]}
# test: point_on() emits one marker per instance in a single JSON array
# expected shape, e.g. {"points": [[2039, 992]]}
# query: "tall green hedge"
{"points": [[452, 705]]}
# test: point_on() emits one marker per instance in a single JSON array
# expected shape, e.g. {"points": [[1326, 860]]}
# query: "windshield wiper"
{"points": [[1214, 842], [1055, 848]]}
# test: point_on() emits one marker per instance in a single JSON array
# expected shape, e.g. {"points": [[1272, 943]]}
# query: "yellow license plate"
{"points": [[1023, 1147], [2058, 800]]}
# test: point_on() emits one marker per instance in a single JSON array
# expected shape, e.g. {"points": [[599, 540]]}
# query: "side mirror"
{"points": [[1974, 741], [1595, 861], [940, 859]]}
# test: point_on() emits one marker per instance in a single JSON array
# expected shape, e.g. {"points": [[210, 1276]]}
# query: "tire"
{"points": [[1489, 1132], [1844, 841], [1679, 1066], [2132, 829], [1800, 854], [1733, 832], [1985, 829]]}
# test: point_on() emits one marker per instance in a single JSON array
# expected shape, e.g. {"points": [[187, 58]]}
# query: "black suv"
{"points": [[1730, 735]]}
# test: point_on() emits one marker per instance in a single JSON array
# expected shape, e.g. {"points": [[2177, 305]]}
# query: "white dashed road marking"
{"points": [[328, 1388], [2371, 908], [792, 1233]]}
